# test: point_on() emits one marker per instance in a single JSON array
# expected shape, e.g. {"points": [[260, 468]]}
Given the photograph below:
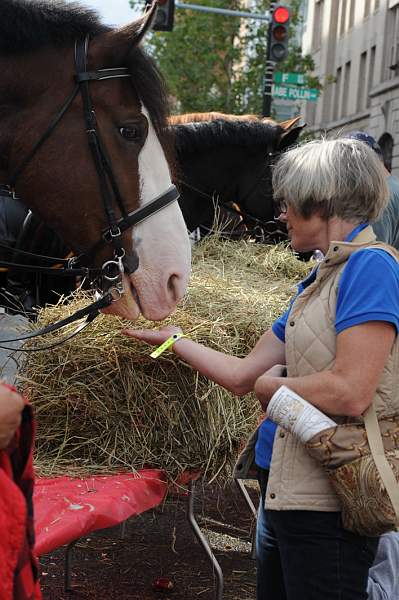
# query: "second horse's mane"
{"points": [[212, 116], [197, 136]]}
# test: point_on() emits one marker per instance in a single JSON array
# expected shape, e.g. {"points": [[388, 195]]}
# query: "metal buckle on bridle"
{"points": [[113, 271], [108, 235], [9, 191], [259, 233], [72, 262]]}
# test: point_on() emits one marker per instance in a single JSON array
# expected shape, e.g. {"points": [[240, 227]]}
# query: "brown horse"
{"points": [[83, 142], [224, 161]]}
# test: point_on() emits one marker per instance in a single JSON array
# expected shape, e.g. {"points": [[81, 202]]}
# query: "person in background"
{"points": [[383, 582], [386, 227], [19, 572], [338, 342]]}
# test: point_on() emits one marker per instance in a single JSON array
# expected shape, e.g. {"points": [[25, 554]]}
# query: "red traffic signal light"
{"points": [[281, 14], [278, 34]]}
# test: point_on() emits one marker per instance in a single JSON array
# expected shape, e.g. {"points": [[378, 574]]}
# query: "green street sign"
{"points": [[290, 78], [290, 92]]}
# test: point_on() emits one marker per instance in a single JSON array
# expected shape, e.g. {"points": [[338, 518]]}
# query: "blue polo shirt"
{"points": [[368, 290]]}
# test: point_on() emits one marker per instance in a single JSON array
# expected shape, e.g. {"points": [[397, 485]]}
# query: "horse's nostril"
{"points": [[173, 287], [131, 262]]}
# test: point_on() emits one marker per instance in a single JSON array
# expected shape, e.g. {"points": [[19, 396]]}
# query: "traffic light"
{"points": [[278, 38], [164, 17]]}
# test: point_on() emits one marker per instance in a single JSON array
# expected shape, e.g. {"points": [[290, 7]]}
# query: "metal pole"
{"points": [[203, 541], [267, 88], [269, 71], [68, 564], [225, 11], [244, 492]]}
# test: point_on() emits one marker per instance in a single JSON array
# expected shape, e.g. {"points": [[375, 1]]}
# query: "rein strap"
{"points": [[91, 311]]}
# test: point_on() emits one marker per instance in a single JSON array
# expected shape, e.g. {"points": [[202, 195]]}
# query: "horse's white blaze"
{"points": [[161, 242]]}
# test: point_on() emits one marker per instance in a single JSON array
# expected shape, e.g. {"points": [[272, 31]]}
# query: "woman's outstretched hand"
{"points": [[152, 336]]}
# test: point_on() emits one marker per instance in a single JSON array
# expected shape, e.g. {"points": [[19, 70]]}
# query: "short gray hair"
{"points": [[338, 177]]}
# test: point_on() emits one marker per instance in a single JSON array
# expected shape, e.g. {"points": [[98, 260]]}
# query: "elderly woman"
{"points": [[338, 340]]}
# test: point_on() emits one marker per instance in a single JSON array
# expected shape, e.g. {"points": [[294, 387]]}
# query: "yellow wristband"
{"points": [[167, 344]]}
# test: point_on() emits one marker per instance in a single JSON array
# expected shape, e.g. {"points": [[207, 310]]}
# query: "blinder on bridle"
{"points": [[112, 271]]}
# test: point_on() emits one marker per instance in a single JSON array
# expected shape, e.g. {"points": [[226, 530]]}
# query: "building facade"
{"points": [[355, 46]]}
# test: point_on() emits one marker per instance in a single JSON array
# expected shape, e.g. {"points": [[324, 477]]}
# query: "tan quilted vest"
{"points": [[297, 481]]}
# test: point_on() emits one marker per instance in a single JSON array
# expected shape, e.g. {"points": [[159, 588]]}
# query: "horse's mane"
{"points": [[209, 116], [29, 25], [202, 135]]}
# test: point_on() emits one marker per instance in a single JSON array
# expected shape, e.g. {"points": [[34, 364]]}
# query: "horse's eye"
{"points": [[131, 133]]}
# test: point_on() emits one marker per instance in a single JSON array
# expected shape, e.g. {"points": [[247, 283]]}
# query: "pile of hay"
{"points": [[103, 404]]}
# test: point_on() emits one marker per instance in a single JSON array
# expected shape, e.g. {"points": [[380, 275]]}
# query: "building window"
{"points": [[361, 100], [318, 24], [392, 44], [376, 5], [370, 79], [337, 95], [352, 13], [345, 91], [343, 17], [366, 8]]}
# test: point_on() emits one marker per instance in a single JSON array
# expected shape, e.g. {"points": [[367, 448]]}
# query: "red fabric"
{"points": [[18, 566], [68, 508], [12, 527]]}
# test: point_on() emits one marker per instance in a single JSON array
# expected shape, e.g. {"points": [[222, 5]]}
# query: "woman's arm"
{"points": [[349, 387], [237, 375]]}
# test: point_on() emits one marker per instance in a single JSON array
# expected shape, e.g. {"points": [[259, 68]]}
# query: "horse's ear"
{"points": [[136, 31], [290, 136], [290, 123], [113, 46]]}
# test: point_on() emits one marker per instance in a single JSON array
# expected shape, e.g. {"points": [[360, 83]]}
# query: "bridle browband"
{"points": [[112, 271]]}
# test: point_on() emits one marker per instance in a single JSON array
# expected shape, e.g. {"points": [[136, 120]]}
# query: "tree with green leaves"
{"points": [[217, 62]]}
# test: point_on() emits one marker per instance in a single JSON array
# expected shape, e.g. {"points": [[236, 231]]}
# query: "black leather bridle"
{"points": [[112, 271], [256, 228]]}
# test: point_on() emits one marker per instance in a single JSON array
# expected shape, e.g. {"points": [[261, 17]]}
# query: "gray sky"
{"points": [[113, 12]]}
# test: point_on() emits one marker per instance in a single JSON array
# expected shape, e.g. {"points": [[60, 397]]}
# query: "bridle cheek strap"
{"points": [[108, 184], [134, 218], [113, 234]]}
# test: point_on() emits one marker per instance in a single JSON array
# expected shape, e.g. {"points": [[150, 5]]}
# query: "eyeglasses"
{"points": [[280, 206]]}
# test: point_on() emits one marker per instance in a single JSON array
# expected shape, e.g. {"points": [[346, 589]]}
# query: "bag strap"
{"points": [[377, 450], [374, 432]]}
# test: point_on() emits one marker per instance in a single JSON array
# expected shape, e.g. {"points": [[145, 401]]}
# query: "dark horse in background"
{"points": [[223, 165], [224, 162], [84, 144]]}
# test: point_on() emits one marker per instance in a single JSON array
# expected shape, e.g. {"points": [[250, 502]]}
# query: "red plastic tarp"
{"points": [[68, 508]]}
